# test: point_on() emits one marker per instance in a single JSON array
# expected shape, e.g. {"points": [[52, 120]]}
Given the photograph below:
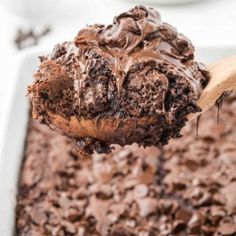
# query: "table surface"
{"points": [[206, 23]]}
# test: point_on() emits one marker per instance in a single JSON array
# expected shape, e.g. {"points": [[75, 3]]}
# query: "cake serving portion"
{"points": [[186, 188], [134, 81]]}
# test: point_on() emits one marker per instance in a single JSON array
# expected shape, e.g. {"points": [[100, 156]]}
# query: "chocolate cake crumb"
{"points": [[29, 37], [186, 188], [133, 81]]}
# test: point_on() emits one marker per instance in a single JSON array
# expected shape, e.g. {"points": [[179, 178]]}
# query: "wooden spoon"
{"points": [[223, 79]]}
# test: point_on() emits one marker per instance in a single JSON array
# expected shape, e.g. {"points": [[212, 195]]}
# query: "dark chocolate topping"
{"points": [[136, 37]]}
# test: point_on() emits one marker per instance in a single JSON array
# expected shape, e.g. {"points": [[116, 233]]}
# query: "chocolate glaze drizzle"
{"points": [[219, 104], [136, 36], [197, 125]]}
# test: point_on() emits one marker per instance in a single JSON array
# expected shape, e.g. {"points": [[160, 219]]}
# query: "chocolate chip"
{"points": [[195, 228], [123, 154], [208, 230], [73, 214], [229, 192], [104, 191], [147, 206], [227, 229], [178, 226], [38, 217], [204, 200], [183, 214], [64, 202], [121, 231]]}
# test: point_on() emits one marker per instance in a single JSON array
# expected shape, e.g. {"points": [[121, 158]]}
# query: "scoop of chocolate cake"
{"points": [[132, 81]]}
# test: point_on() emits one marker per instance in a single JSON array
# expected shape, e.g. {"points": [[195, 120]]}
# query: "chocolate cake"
{"points": [[134, 81], [186, 188]]}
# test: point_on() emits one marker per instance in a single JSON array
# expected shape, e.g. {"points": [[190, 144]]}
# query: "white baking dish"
{"points": [[165, 2], [13, 123]]}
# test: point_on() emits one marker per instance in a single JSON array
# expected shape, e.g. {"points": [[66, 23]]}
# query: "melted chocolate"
{"points": [[219, 104], [197, 125], [136, 36]]}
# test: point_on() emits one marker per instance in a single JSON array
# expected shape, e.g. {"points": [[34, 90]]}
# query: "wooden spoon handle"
{"points": [[223, 78]]}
